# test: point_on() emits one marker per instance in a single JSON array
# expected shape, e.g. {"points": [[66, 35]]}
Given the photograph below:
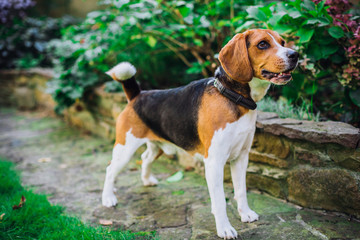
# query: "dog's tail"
{"points": [[124, 73]]}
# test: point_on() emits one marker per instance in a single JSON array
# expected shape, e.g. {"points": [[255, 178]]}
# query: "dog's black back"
{"points": [[173, 113]]}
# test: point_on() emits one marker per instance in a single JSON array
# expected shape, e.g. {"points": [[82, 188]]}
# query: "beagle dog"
{"points": [[213, 117]]}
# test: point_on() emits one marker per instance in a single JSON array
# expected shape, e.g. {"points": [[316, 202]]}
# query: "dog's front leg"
{"points": [[214, 173], [238, 174]]}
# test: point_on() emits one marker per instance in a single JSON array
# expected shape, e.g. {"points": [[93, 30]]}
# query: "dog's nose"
{"points": [[292, 55]]}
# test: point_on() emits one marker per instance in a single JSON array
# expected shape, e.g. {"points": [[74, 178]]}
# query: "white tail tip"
{"points": [[122, 71]]}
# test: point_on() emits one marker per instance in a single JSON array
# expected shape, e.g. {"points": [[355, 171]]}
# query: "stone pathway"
{"points": [[69, 166]]}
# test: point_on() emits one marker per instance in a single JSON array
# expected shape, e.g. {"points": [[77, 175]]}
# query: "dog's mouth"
{"points": [[280, 78]]}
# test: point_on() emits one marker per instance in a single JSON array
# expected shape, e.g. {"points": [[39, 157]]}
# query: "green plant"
{"points": [[173, 42], [112, 86], [321, 43], [170, 42], [23, 42], [36, 218], [286, 109]]}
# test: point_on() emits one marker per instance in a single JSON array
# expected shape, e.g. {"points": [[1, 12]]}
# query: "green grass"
{"points": [[38, 219], [286, 109]]}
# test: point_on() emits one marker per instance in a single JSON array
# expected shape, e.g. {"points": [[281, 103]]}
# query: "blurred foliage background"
{"points": [[174, 42]]}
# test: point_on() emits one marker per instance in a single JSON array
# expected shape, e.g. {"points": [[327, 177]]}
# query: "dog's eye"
{"points": [[282, 43], [263, 45]]}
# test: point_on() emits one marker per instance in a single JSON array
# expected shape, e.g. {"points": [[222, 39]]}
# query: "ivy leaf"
{"points": [[336, 32], [305, 34], [257, 13]]}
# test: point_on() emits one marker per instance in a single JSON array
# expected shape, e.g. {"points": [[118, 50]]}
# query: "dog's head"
{"points": [[258, 53]]}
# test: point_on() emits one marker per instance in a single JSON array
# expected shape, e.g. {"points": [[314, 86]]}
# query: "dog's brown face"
{"points": [[258, 53]]}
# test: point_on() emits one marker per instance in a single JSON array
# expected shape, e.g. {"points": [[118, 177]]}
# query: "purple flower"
{"points": [[9, 9]]}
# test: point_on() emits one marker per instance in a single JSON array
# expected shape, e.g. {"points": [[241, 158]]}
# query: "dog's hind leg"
{"points": [[152, 152], [120, 157]]}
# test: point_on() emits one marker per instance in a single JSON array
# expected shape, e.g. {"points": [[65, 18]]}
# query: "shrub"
{"points": [[326, 69], [24, 43], [170, 42], [182, 39], [10, 9]]}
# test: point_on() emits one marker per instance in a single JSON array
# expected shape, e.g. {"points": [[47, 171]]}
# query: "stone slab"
{"points": [[181, 210], [317, 132]]}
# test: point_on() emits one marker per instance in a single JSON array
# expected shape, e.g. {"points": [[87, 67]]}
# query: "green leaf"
{"points": [[177, 193], [327, 50], [176, 177], [282, 28], [276, 18], [311, 89], [198, 42], [337, 58], [313, 13], [308, 5], [151, 41], [314, 52], [223, 23], [256, 13], [355, 96], [246, 25], [305, 34], [184, 11], [320, 5], [336, 32], [294, 13], [320, 22]]}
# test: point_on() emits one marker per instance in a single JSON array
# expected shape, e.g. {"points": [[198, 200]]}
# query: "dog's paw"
{"points": [[109, 199], [226, 231], [248, 215], [151, 181]]}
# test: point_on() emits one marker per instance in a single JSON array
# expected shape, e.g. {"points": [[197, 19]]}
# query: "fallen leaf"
{"points": [[177, 193], [21, 204], [44, 160], [105, 222], [1, 216], [133, 169], [138, 162], [176, 177]]}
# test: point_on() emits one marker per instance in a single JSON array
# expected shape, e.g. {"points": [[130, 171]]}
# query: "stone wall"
{"points": [[315, 165]]}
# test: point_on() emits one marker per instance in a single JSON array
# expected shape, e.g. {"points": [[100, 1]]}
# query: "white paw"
{"points": [[248, 215], [226, 231], [151, 181], [109, 199]]}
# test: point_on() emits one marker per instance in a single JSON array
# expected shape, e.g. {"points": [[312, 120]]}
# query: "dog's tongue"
{"points": [[282, 78]]}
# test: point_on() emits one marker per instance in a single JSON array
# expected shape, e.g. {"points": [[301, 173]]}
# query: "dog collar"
{"points": [[234, 96]]}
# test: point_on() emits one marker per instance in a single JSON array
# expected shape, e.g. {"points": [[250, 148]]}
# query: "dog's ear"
{"points": [[234, 58]]}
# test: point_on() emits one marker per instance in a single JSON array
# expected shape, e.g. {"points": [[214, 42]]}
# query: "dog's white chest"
{"points": [[230, 141]]}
